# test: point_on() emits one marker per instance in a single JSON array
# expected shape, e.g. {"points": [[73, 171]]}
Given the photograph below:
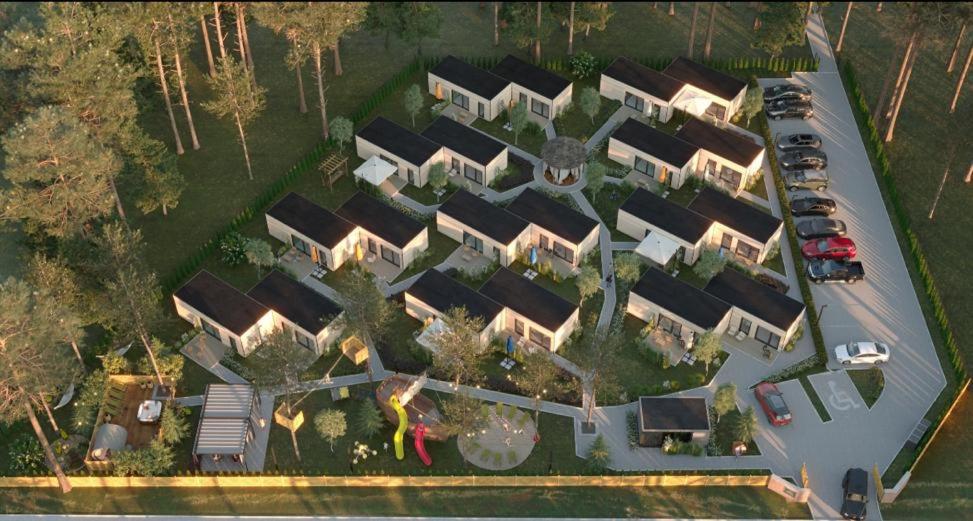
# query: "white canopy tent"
{"points": [[428, 336], [693, 103], [375, 170], [657, 248]]}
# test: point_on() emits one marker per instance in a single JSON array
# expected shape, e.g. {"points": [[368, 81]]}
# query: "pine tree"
{"points": [[237, 99]]}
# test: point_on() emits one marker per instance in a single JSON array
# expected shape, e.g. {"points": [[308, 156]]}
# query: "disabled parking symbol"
{"points": [[840, 399]]}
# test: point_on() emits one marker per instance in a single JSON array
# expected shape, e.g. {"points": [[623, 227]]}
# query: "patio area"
{"points": [[559, 265], [381, 268], [665, 344], [459, 114], [752, 347], [468, 260], [392, 185], [297, 263]]}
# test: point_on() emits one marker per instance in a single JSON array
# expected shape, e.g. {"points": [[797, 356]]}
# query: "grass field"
{"points": [[870, 383]]}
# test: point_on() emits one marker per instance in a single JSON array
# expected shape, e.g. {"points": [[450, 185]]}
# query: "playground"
{"points": [[505, 443]]}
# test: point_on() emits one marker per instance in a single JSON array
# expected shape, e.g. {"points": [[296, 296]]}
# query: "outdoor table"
{"points": [[149, 411]]}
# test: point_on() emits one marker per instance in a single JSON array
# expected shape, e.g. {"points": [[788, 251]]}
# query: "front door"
{"points": [[210, 329], [545, 243], [411, 175], [454, 164], [391, 256], [726, 242], [301, 246], [372, 247]]}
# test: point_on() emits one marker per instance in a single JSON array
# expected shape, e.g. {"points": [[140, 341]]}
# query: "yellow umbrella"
{"points": [[359, 254]]}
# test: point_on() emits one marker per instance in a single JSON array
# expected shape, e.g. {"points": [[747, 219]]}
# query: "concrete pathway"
{"points": [[423, 209], [617, 118], [191, 401], [624, 246], [549, 131], [207, 352]]}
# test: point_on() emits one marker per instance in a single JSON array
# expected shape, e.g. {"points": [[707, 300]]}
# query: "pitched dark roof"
{"points": [[470, 77], [295, 301], [464, 140], [528, 299], [705, 78], [681, 298], [735, 214], [531, 77], [221, 302], [687, 413], [381, 219], [443, 292], [667, 215], [655, 143], [723, 143], [399, 140], [307, 218], [647, 80], [559, 219], [759, 300], [494, 222]]}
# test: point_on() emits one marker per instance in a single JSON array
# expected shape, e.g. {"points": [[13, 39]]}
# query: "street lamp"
{"points": [[820, 312]]}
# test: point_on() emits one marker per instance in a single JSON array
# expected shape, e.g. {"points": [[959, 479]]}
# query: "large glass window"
{"points": [[300, 245], [473, 241], [717, 111], [461, 99], [644, 167], [389, 160], [766, 337], [747, 251], [473, 174], [563, 252], [670, 326], [539, 107], [540, 338], [635, 102], [518, 327], [210, 329], [391, 256], [304, 340], [372, 247], [522, 97], [730, 176], [745, 326], [454, 164]]}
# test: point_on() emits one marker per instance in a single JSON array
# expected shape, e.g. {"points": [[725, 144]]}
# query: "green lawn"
{"points": [[726, 434], [564, 288], [870, 383], [528, 140], [686, 274], [440, 246], [775, 263], [426, 195], [815, 399], [574, 122], [606, 205]]}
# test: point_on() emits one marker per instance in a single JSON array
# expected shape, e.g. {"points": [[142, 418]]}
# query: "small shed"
{"points": [[684, 418], [227, 425], [564, 159], [355, 350]]}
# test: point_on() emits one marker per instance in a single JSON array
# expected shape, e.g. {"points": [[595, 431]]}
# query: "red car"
{"points": [[834, 248], [773, 404]]}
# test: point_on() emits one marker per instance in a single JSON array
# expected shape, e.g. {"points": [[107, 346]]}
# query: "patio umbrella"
{"points": [[533, 255], [359, 254], [510, 345]]}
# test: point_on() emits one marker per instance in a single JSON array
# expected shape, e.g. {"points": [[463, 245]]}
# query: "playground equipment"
{"points": [[403, 426], [398, 397], [420, 444]]}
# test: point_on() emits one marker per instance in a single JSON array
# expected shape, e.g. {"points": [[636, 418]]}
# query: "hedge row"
{"points": [[261, 202], [563, 65]]}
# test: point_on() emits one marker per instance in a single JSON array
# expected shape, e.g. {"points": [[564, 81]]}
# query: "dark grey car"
{"points": [[786, 91], [855, 494], [798, 142], [813, 206], [804, 159], [821, 228], [807, 179], [789, 109]]}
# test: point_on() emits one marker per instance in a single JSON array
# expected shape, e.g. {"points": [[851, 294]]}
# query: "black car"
{"points": [[821, 228], [855, 487], [787, 91], [789, 109], [798, 142], [804, 159], [813, 206], [821, 271]]}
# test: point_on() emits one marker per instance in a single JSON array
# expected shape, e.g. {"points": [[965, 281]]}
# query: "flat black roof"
{"points": [[667, 215], [735, 214], [531, 77], [295, 301], [381, 219], [221, 302], [399, 140], [655, 143], [681, 298], [723, 143], [755, 298], [528, 299], [492, 221], [464, 140], [705, 78], [443, 293], [311, 220], [669, 414], [470, 77], [649, 81], [559, 219]]}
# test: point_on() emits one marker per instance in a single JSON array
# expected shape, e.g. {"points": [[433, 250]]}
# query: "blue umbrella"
{"points": [[533, 255], [510, 345]]}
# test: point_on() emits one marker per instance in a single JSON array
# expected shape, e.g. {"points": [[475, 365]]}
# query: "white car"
{"points": [[862, 353]]}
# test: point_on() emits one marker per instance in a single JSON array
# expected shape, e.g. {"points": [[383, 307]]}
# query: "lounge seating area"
{"points": [[128, 419]]}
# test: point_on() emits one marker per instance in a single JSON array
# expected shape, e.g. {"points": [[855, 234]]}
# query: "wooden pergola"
{"points": [[332, 168]]}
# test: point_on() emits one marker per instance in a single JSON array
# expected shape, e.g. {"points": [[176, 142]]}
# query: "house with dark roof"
{"points": [[645, 213], [707, 90], [676, 307], [556, 229], [467, 152], [640, 88], [223, 312], [741, 229], [683, 418], [726, 158], [482, 228], [654, 153], [309, 317], [758, 311], [327, 239], [531, 312], [434, 294], [545, 94], [385, 232], [411, 153], [475, 90]]}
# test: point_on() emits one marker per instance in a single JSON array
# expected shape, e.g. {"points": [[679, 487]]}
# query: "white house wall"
{"points": [[334, 257], [245, 343], [625, 154], [613, 89], [580, 250], [420, 310], [556, 105], [408, 254], [492, 107], [508, 252], [635, 228], [489, 170], [748, 171], [558, 337], [646, 310], [785, 335], [715, 238], [366, 149]]}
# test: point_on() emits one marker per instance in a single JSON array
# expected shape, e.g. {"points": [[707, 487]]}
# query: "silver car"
{"points": [[807, 180]]}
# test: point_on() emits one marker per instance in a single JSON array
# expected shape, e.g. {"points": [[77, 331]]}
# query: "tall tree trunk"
{"points": [[844, 27], [144, 337], [165, 95], [496, 24], [692, 30], [955, 54], [709, 31], [961, 80], [807, 13], [672, 9], [591, 405], [209, 48], [319, 74], [290, 414], [301, 103], [243, 143], [902, 68], [118, 201], [62, 478], [655, 5], [77, 351], [182, 90], [246, 36], [537, 36], [165, 210], [889, 133], [242, 45], [50, 415], [336, 52], [571, 31], [219, 29]]}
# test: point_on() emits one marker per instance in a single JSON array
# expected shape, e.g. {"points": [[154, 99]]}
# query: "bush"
{"points": [[534, 129], [632, 422], [26, 455], [233, 249], [583, 65], [671, 445]]}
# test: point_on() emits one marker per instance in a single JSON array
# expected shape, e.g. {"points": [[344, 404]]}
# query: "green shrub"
{"points": [[583, 65], [26, 455], [233, 249]]}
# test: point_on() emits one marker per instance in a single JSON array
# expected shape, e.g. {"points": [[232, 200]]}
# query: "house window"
{"points": [[389, 160], [670, 326], [454, 164], [304, 340], [210, 329], [371, 245], [473, 174], [523, 98], [540, 339], [747, 251], [717, 111], [462, 100], [768, 338], [518, 327], [726, 242], [232, 343], [710, 168], [731, 177], [563, 252], [745, 326], [391, 256], [473, 241], [480, 110], [635, 102], [644, 167], [300, 245], [539, 107]]}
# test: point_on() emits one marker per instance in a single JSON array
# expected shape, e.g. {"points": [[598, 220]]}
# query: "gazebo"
{"points": [[564, 159]]}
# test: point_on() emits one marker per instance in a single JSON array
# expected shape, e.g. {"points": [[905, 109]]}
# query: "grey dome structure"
{"points": [[564, 159]]}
